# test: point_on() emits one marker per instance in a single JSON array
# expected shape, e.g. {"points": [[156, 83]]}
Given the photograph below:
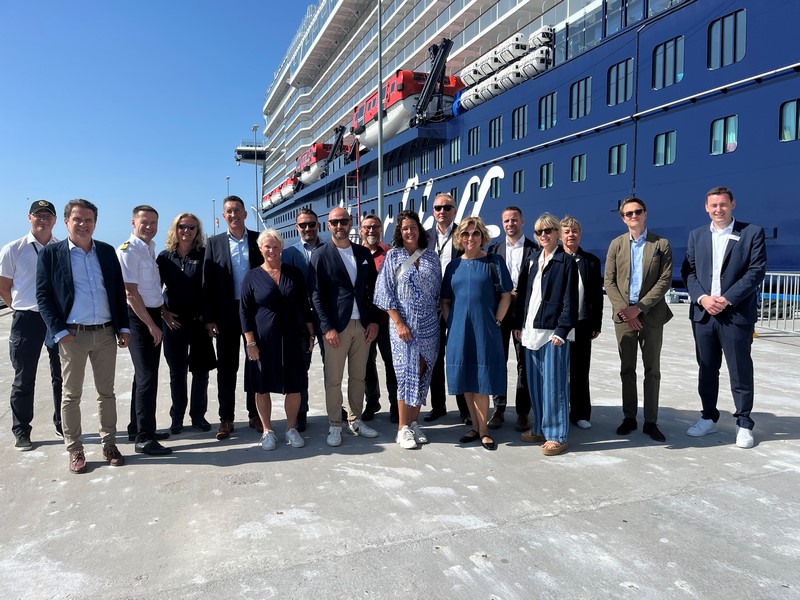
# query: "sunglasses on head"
{"points": [[444, 207], [307, 225], [337, 222], [545, 231], [630, 213], [183, 227]]}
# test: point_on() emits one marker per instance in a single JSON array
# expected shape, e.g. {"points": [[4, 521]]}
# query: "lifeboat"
{"points": [[544, 36], [288, 187], [513, 48], [311, 163], [536, 62]]}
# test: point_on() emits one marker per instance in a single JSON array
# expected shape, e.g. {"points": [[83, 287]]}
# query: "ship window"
{"points": [[664, 148], [724, 135], [580, 98], [424, 162], [438, 157], [790, 121], [579, 168], [474, 141], [613, 16], [496, 132], [668, 63], [389, 176], [399, 172], [547, 111], [620, 83], [364, 185], [634, 12], [656, 6], [399, 207], [410, 204], [727, 40], [494, 187], [519, 122], [454, 194], [518, 182], [455, 150], [423, 205], [390, 210], [546, 175], [617, 159], [474, 187], [412, 166]]}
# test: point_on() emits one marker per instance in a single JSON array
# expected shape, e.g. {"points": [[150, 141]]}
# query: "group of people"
{"points": [[439, 306]]}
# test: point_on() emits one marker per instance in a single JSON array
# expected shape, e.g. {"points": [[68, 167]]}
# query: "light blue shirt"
{"points": [[91, 300], [637, 253], [240, 261]]}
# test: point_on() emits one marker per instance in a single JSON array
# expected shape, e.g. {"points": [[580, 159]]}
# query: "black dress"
{"points": [[277, 315]]}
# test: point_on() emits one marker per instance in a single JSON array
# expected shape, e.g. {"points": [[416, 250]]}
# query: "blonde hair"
{"points": [[546, 220], [172, 234], [464, 225], [273, 233]]}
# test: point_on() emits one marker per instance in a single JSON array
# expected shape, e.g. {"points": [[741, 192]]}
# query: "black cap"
{"points": [[42, 205]]}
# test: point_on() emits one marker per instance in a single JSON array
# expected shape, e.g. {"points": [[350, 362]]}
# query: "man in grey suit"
{"points": [[515, 249], [723, 270], [638, 276]]}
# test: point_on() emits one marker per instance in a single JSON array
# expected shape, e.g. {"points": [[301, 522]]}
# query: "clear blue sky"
{"points": [[124, 103]]}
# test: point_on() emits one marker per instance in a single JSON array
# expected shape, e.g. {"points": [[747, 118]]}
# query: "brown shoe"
{"points": [[529, 438], [496, 421], [113, 456], [522, 423], [77, 461], [255, 423], [225, 430]]}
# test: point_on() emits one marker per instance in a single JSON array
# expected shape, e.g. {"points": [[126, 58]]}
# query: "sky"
{"points": [[127, 103]]}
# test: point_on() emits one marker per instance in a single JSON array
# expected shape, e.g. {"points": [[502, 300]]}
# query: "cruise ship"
{"points": [[564, 107]]}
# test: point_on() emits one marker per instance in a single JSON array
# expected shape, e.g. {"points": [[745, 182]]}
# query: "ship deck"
{"points": [[615, 517]]}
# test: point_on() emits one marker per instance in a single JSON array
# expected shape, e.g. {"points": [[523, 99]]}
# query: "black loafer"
{"points": [[654, 432], [152, 448], [434, 415], [203, 425], [490, 445], [627, 426], [176, 428]]}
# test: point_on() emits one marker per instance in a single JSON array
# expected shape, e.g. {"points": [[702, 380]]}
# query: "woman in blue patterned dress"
{"points": [[408, 289], [476, 293]]}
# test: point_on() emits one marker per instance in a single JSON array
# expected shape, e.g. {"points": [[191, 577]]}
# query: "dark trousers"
{"points": [[580, 357], [713, 338], [28, 334], [522, 399], [308, 355], [145, 357], [229, 349], [188, 349], [649, 339], [373, 389], [438, 395]]}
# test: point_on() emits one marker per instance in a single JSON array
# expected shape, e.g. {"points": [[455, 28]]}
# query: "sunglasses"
{"points": [[183, 227], [445, 208], [630, 213], [337, 222], [545, 231], [369, 227], [307, 225], [469, 234]]}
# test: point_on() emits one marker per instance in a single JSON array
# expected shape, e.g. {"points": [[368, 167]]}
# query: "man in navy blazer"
{"points": [[515, 249], [341, 283], [81, 297], [228, 257], [723, 270]]}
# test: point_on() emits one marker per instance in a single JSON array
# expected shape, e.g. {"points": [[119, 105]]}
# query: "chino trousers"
{"points": [[649, 339], [353, 350]]}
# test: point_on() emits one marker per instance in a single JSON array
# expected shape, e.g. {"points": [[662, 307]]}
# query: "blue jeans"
{"points": [[548, 382]]}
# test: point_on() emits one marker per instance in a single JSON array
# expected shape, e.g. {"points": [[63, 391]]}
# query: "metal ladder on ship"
{"points": [[352, 195]]}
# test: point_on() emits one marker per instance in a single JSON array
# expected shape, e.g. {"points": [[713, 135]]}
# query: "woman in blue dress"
{"points": [[408, 290], [277, 327], [476, 293]]}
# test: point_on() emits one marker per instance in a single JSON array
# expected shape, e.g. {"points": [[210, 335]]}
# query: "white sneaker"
{"points": [[583, 424], [419, 434], [744, 437], [294, 438], [269, 440], [358, 427], [334, 436], [701, 428], [405, 437]]}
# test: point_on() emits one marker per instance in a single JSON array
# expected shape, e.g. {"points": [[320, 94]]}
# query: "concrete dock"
{"points": [[615, 517]]}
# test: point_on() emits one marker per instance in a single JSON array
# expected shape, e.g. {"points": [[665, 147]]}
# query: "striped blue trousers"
{"points": [[548, 381]]}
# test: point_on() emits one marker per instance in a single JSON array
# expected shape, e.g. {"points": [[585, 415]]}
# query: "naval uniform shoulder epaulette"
{"points": [[124, 246]]}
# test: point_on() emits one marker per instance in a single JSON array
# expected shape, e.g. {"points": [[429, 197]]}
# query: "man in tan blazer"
{"points": [[639, 310]]}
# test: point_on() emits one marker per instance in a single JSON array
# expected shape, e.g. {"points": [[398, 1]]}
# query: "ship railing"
{"points": [[780, 303]]}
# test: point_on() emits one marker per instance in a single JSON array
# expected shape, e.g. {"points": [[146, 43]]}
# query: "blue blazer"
{"points": [[559, 308], [743, 269], [332, 293], [591, 275], [219, 299], [55, 289]]}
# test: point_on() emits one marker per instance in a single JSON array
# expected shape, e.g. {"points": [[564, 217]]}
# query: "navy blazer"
{"points": [[589, 270], [219, 299], [559, 308], [55, 288], [743, 269], [332, 292], [499, 248]]}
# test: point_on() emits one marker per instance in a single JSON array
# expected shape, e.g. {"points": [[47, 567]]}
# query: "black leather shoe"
{"points": [[496, 420], [434, 415], [302, 422], [201, 425], [627, 426], [158, 435], [152, 447], [176, 428], [370, 410], [654, 432]]}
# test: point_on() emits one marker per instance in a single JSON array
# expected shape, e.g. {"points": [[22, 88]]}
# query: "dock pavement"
{"points": [[614, 517]]}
